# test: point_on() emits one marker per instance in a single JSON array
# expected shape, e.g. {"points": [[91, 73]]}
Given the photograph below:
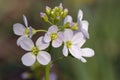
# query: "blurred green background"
{"points": [[104, 20]]}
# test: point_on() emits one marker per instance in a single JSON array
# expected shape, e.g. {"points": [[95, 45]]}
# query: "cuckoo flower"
{"points": [[73, 44], [54, 36], [34, 51], [22, 30], [82, 25]]}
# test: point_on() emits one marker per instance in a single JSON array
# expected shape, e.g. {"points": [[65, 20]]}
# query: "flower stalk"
{"points": [[47, 72]]}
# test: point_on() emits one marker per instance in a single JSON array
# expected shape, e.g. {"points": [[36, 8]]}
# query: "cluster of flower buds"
{"points": [[54, 15], [70, 35]]}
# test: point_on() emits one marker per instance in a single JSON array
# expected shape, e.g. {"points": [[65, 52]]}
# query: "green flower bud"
{"points": [[67, 25], [44, 16], [56, 9], [65, 12], [60, 7], [53, 13], [74, 27], [48, 10]]}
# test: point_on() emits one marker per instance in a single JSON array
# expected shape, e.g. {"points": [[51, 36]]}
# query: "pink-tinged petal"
{"points": [[25, 20], [78, 39], [28, 59], [19, 40], [75, 51], [31, 32], [58, 42], [68, 19], [83, 60], [65, 51], [80, 14], [60, 35], [84, 29], [43, 57], [68, 34], [85, 33], [52, 29], [18, 29], [41, 44], [85, 25], [87, 52], [47, 38], [79, 26], [26, 43]]}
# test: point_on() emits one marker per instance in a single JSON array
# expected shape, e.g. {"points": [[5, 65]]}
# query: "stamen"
{"points": [[53, 36], [68, 44]]}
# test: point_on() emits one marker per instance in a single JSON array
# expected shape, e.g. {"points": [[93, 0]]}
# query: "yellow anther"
{"points": [[35, 50], [68, 44]]}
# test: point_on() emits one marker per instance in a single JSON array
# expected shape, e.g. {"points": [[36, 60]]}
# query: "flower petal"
{"points": [[75, 51], [52, 29], [47, 38], [25, 20], [80, 14], [68, 34], [26, 43], [18, 29], [19, 40], [68, 19], [87, 52], [58, 42], [85, 33], [85, 25], [31, 32], [41, 44], [43, 57], [65, 51], [84, 28], [28, 59], [78, 39], [83, 60]]}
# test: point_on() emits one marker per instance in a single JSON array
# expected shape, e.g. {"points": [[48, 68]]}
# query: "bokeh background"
{"points": [[104, 29]]}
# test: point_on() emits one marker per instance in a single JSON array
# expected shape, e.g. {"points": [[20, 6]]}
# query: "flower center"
{"points": [[68, 44], [53, 36], [27, 31], [35, 50]]}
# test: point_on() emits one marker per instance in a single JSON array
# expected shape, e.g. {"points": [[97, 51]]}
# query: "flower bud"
{"points": [[48, 10], [67, 25], [44, 16], [65, 12], [56, 9], [74, 27], [61, 7]]}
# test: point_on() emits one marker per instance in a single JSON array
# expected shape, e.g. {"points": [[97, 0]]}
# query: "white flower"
{"points": [[73, 44], [54, 36], [34, 51], [83, 24], [22, 30]]}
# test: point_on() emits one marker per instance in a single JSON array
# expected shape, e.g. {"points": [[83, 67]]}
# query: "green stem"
{"points": [[36, 68], [50, 22], [41, 31], [47, 72]]}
